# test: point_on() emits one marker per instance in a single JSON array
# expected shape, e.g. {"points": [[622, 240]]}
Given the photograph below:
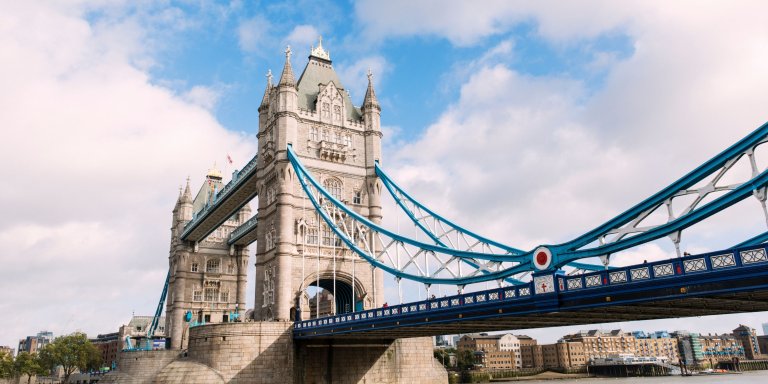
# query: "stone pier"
{"points": [[265, 353]]}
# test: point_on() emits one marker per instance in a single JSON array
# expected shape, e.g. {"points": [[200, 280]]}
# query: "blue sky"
{"points": [[554, 117]]}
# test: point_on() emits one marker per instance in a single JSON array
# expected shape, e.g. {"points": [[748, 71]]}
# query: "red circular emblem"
{"points": [[541, 258]]}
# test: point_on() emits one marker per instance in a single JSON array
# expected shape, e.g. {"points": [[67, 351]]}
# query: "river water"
{"points": [[753, 377]]}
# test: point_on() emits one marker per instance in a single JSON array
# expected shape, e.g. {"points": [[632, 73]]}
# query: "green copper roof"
{"points": [[317, 73]]}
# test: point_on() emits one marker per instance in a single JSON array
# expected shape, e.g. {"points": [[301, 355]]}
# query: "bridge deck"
{"points": [[723, 282], [236, 194]]}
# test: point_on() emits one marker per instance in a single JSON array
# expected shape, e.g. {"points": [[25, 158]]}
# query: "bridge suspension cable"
{"points": [[628, 229], [379, 246]]}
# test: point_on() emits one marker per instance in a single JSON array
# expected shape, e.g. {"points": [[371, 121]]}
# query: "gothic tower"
{"points": [[339, 144], [208, 280]]}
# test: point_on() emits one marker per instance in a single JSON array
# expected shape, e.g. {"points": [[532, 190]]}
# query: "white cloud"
{"points": [[532, 160], [465, 23], [302, 36], [253, 34], [96, 152], [206, 97], [355, 75]]}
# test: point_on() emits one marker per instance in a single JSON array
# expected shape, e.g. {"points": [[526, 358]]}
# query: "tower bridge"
{"points": [[320, 180]]}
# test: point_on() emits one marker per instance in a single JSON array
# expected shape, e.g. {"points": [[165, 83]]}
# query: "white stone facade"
{"points": [[339, 144]]}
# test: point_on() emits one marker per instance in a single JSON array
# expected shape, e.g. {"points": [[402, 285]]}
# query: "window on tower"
{"points": [[358, 198], [333, 186], [211, 294], [348, 141], [326, 110], [195, 267], [312, 236], [327, 235], [337, 113], [313, 134], [197, 295], [213, 266]]}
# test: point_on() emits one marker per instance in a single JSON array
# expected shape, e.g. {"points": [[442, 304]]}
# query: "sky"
{"points": [[529, 122]]}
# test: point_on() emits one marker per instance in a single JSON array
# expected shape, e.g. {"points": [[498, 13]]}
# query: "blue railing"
{"points": [[652, 271], [237, 179]]}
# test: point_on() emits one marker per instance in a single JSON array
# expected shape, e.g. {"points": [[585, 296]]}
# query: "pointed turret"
{"points": [[185, 204], [286, 78], [370, 100], [265, 100]]}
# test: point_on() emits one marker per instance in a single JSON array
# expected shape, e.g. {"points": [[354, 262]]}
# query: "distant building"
{"points": [[689, 347], [748, 338], [530, 352], [6, 350], [657, 344], [599, 344], [721, 348], [326, 305], [33, 344], [765, 329], [494, 351], [110, 345], [762, 342], [564, 355], [137, 329]]}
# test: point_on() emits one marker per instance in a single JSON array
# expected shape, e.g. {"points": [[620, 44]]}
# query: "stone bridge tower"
{"points": [[339, 143]]}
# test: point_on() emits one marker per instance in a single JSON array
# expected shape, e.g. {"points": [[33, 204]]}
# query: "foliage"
{"points": [[29, 365], [465, 359], [442, 356], [475, 377], [6, 365], [72, 352]]}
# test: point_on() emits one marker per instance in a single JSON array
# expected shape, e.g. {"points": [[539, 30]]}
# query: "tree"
{"points": [[465, 359], [28, 364], [72, 352], [6, 365]]}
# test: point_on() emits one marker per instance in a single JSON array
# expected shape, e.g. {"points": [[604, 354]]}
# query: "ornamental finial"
{"points": [[288, 52], [370, 75], [269, 77]]}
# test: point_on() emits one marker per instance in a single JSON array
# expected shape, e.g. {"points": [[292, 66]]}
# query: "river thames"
{"points": [[753, 377]]}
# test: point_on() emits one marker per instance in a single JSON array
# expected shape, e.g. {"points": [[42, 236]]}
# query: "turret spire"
{"points": [[286, 78], [370, 100], [265, 99], [187, 196]]}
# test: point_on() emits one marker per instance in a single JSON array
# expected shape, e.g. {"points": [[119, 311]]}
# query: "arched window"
{"points": [[333, 186], [213, 266]]}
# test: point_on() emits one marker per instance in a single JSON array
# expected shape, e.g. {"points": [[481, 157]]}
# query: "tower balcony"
{"points": [[331, 151]]}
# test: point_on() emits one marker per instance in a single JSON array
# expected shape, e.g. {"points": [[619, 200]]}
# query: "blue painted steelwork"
{"points": [[759, 239], [395, 190], [159, 310], [304, 177], [149, 342], [399, 194], [237, 179], [710, 268], [563, 256], [568, 251]]}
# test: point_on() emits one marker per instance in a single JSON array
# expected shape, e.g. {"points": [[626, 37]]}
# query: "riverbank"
{"points": [[542, 376]]}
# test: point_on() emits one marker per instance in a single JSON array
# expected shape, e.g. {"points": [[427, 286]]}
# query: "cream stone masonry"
{"points": [[340, 144], [207, 279]]}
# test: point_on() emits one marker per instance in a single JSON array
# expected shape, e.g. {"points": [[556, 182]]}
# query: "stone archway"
{"points": [[322, 290]]}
